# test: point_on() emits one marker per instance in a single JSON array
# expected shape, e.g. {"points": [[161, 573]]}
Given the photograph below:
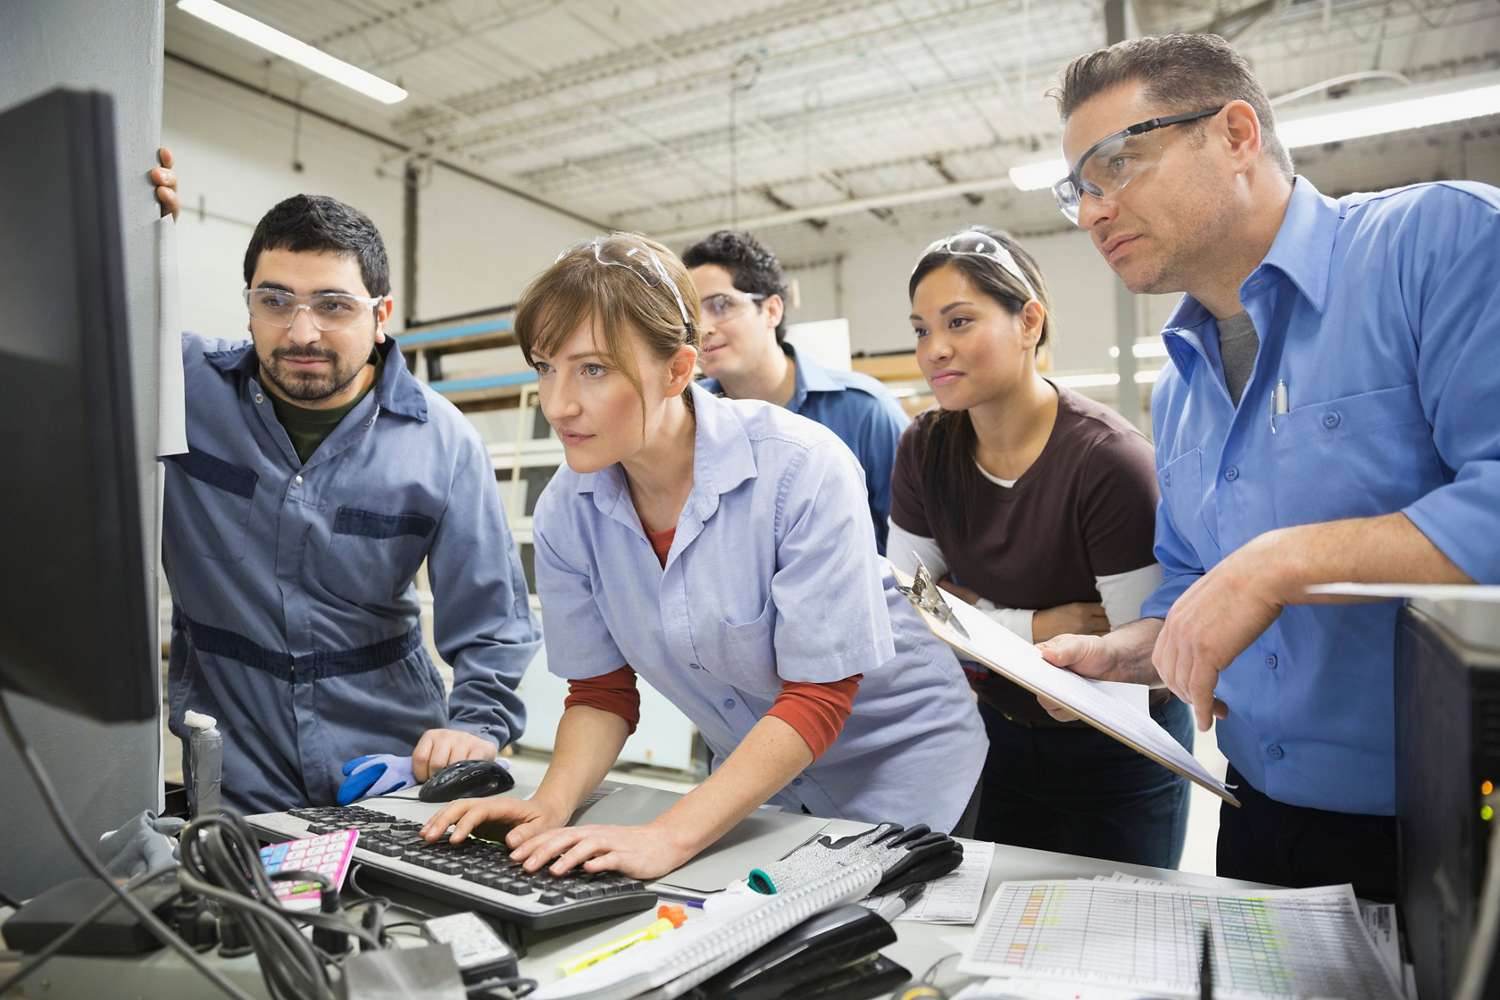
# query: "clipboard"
{"points": [[977, 637]]}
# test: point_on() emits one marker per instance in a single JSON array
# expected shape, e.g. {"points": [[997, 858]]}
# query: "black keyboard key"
{"points": [[552, 898], [382, 848]]}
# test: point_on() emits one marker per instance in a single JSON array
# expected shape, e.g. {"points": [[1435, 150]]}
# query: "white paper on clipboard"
{"points": [[998, 648]]}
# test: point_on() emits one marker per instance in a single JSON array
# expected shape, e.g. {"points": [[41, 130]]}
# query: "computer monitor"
{"points": [[1447, 765], [74, 614]]}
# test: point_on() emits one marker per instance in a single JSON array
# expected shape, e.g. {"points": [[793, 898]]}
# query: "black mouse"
{"points": [[467, 779]]}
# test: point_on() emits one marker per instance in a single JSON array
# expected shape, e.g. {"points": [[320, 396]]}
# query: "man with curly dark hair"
{"points": [[744, 353]]}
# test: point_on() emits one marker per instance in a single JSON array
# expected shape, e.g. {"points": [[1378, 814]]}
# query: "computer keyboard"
{"points": [[477, 874]]}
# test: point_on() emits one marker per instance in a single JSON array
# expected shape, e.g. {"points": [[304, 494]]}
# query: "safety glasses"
{"points": [[330, 312], [727, 305], [973, 243], [627, 251], [1114, 161]]}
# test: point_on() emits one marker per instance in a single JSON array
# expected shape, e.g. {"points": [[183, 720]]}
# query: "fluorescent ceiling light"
{"points": [[1143, 349], [1400, 112], [291, 49], [1411, 108], [1039, 175], [1087, 380], [1102, 380]]}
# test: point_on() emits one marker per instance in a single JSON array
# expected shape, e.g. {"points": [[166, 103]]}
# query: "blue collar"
{"points": [[722, 458], [1302, 252], [809, 377], [398, 390]]}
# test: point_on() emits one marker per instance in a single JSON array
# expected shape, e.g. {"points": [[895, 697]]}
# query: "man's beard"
{"points": [[310, 386]]}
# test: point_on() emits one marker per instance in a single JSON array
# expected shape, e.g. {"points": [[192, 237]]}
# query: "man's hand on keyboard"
{"points": [[440, 747], [642, 852]]}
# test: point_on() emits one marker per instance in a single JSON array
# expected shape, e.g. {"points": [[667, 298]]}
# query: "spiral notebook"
{"points": [[731, 926]]}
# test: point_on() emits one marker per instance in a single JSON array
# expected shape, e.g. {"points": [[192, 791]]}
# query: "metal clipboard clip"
{"points": [[926, 595]]}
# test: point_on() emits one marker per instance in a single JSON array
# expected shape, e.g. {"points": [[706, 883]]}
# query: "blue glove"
{"points": [[374, 774]]}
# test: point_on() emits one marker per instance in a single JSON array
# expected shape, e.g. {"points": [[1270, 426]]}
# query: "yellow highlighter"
{"points": [[668, 917]]}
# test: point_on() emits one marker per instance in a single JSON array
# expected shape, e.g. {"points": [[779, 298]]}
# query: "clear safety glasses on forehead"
{"points": [[973, 243], [624, 250], [1114, 161]]}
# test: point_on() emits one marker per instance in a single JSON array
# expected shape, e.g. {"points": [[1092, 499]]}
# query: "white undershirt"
{"points": [[1122, 594], [1007, 483]]}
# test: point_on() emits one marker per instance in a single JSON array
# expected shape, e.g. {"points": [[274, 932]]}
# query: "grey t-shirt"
{"points": [[1238, 344]]}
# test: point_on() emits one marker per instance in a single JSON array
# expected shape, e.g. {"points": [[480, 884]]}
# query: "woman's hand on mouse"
{"points": [[641, 852], [440, 747], [526, 817]]}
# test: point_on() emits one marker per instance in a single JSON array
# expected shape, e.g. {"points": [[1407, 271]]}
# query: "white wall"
{"points": [[477, 245], [234, 154], [875, 272]]}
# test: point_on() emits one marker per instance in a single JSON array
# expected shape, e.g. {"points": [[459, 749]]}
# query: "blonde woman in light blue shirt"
{"points": [[769, 592]]}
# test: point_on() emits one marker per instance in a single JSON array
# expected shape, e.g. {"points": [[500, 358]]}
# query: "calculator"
{"points": [[328, 854]]}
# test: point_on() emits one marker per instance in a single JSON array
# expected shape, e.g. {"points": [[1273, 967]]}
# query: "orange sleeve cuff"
{"points": [[816, 711], [614, 692]]}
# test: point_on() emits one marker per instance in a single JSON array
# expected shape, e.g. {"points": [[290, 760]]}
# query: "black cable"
{"points": [[221, 864], [221, 860], [50, 799], [422, 928], [56, 944], [352, 881], [516, 987]]}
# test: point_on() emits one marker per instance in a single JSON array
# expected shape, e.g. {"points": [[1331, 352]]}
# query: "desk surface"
{"points": [[164, 975], [917, 945]]}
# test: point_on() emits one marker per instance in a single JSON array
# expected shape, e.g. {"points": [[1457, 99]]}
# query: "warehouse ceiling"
{"points": [[670, 117]]}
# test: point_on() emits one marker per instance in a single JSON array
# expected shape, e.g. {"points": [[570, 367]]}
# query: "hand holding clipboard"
{"points": [[977, 637]]}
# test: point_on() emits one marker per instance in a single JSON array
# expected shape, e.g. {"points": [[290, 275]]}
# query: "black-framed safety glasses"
{"points": [[1114, 161]]}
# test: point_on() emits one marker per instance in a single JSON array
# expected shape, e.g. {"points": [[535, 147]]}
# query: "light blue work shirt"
{"points": [[295, 620], [865, 416], [772, 577], [1381, 314]]}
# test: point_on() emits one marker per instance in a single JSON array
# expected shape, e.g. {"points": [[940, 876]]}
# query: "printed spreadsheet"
{"points": [[1266, 944]]}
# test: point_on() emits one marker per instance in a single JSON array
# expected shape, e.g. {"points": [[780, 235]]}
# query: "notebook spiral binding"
{"points": [[663, 973]]}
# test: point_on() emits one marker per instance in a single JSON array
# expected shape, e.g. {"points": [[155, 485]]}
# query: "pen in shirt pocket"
{"points": [[1278, 403]]}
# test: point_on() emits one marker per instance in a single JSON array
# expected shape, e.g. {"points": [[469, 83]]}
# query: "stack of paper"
{"points": [[1267, 945], [1379, 919]]}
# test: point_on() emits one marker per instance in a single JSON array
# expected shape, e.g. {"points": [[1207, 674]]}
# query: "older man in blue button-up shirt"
{"points": [[1328, 414], [320, 476]]}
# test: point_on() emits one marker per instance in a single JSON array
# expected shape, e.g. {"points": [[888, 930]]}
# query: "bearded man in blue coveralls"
{"points": [[320, 475]]}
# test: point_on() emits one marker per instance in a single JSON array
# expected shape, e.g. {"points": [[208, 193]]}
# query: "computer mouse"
{"points": [[467, 779]]}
